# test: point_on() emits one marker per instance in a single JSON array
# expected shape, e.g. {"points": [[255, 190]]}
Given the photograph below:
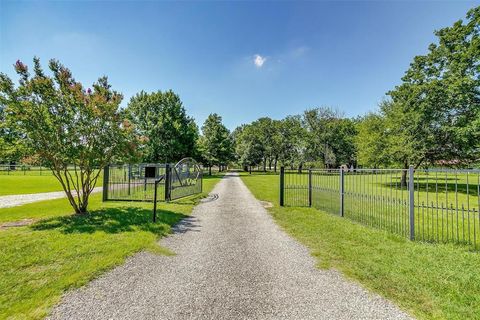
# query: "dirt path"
{"points": [[20, 199], [231, 262]]}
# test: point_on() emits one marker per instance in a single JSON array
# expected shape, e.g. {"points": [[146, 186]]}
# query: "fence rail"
{"points": [[25, 170], [435, 205]]}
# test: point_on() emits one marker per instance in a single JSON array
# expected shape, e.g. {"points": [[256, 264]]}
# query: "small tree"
{"points": [[66, 125], [216, 145]]}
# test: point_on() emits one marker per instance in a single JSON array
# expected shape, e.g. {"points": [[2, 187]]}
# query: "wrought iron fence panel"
{"points": [[435, 205], [131, 182], [137, 182]]}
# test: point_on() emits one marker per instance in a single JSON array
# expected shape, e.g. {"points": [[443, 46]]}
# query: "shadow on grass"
{"points": [[112, 220], [432, 187]]}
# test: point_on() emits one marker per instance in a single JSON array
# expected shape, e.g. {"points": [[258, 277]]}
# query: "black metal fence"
{"points": [[435, 205], [140, 182], [25, 170]]}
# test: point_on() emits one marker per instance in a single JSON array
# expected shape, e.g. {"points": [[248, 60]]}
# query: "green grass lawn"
{"points": [[20, 184], [430, 281], [446, 203], [14, 184], [38, 263]]}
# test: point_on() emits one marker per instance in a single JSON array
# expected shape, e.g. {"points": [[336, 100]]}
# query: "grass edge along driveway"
{"points": [[38, 263], [429, 281]]}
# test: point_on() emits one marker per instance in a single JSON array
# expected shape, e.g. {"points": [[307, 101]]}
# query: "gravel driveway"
{"points": [[231, 262], [19, 199]]}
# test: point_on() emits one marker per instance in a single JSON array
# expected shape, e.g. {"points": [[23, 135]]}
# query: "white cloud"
{"points": [[258, 60]]}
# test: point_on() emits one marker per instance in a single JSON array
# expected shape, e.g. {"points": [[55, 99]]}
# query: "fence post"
{"points": [[411, 189], [282, 186], [155, 200], [342, 192], [129, 177], [309, 187], [105, 182], [167, 182]]}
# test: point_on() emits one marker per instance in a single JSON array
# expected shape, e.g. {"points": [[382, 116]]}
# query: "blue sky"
{"points": [[242, 60]]}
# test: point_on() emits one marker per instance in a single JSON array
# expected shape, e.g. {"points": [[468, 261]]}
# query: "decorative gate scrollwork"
{"points": [[186, 178]]}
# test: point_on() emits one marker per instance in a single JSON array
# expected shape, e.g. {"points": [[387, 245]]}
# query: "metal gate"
{"points": [[138, 182], [186, 179]]}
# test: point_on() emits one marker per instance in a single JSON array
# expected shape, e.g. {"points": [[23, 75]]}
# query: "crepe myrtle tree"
{"points": [[74, 131]]}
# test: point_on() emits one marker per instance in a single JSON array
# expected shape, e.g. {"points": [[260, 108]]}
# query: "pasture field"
{"points": [[60, 251], [430, 281], [13, 184], [26, 184]]}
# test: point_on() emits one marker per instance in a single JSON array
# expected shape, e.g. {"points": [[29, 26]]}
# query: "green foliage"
{"points": [[167, 133], [435, 112], [330, 137], [266, 141], [292, 141], [216, 145], [248, 145], [65, 124], [12, 146], [372, 141]]}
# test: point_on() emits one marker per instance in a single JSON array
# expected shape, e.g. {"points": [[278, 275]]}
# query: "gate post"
{"points": [[105, 182], [310, 187], [342, 192], [168, 182], [411, 190], [282, 186]]}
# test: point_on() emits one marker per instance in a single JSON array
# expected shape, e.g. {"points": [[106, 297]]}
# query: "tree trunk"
{"points": [[275, 165], [265, 164], [209, 170]]}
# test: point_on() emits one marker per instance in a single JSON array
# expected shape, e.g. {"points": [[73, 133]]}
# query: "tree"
{"points": [[65, 125], [271, 141], [434, 113], [249, 146], [266, 132], [216, 144], [330, 137], [161, 120], [372, 140], [293, 143], [12, 146]]}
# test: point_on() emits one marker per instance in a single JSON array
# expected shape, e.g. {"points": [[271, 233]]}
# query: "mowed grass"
{"points": [[38, 263], [446, 203], [429, 281], [15, 184], [32, 182]]}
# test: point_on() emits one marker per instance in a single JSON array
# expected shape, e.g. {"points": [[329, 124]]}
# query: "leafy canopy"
{"points": [[65, 125], [168, 134], [216, 144]]}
